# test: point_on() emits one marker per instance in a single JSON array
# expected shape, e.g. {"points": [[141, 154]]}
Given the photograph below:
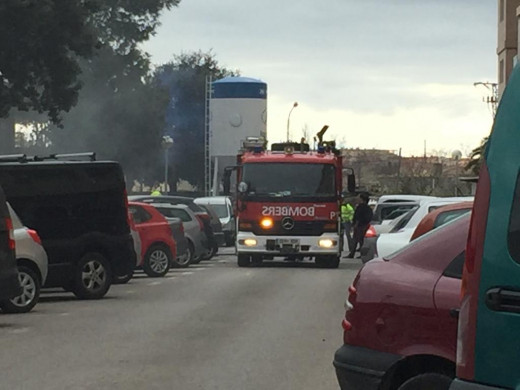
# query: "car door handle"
{"points": [[503, 299]]}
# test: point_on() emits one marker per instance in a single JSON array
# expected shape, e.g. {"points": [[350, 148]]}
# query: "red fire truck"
{"points": [[288, 202]]}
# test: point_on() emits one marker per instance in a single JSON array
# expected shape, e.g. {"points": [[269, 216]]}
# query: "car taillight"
{"points": [[9, 225], [201, 224], [205, 216], [34, 235], [371, 232]]}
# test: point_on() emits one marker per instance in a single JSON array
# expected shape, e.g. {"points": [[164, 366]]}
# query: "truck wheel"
{"points": [[243, 260], [92, 276], [30, 282], [427, 382]]}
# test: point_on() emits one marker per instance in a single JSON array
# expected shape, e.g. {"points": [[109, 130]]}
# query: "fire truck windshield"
{"points": [[288, 179]]}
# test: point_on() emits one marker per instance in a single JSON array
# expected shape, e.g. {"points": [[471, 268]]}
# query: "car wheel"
{"points": [[210, 252], [427, 382], [30, 282], [243, 260], [185, 260], [92, 277], [327, 261], [157, 261]]}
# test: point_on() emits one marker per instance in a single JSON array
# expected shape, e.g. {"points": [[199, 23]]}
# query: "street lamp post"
{"points": [[167, 143], [295, 104]]}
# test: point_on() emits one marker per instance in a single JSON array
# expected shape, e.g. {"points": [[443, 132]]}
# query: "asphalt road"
{"points": [[211, 326]]}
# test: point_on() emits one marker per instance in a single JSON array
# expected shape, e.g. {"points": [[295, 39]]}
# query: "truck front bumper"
{"points": [[251, 244]]}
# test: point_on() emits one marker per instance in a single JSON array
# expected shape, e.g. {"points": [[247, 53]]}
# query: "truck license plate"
{"points": [[288, 241]]}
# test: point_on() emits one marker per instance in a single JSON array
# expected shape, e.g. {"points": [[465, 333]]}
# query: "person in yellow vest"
{"points": [[156, 190], [347, 215]]}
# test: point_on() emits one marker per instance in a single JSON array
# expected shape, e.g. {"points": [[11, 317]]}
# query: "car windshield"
{"points": [[220, 209], [288, 179], [401, 222]]}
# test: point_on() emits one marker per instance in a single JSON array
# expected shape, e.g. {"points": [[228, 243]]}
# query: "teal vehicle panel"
{"points": [[497, 345]]}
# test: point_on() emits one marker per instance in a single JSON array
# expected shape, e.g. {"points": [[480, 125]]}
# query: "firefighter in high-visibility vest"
{"points": [[347, 215]]}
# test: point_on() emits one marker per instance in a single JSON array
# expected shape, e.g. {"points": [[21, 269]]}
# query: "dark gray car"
{"points": [[9, 283]]}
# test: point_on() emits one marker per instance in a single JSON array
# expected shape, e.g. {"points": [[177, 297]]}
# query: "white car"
{"points": [[31, 260], [224, 209], [402, 231]]}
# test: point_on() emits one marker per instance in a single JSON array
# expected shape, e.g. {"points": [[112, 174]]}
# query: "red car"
{"points": [[400, 325], [158, 248]]}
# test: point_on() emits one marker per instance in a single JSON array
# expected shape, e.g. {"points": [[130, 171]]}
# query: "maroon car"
{"points": [[400, 324]]}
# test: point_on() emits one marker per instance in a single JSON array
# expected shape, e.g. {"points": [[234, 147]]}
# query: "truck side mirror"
{"points": [[226, 179], [351, 182]]}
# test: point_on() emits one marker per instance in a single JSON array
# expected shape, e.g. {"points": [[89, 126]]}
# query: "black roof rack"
{"points": [[13, 158], [67, 156], [23, 158]]}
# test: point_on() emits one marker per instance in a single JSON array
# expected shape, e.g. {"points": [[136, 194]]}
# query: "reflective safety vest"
{"points": [[347, 213], [156, 193]]}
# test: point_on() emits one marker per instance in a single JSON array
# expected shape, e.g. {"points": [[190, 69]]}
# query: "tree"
{"points": [[120, 110], [40, 43], [185, 79], [476, 157], [43, 41]]}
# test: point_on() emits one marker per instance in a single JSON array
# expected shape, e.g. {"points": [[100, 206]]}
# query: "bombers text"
{"points": [[287, 211]]}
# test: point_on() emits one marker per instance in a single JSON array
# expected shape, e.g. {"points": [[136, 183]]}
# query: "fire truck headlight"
{"points": [[266, 223], [326, 243], [250, 242]]}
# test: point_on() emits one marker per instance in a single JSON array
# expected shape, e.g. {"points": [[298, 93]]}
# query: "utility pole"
{"points": [[492, 99]]}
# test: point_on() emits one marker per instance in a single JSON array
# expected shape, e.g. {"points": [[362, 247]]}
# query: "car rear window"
{"points": [[447, 216], [171, 212], [139, 214], [221, 210]]}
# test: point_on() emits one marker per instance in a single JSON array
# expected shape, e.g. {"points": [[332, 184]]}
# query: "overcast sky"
{"points": [[381, 73]]}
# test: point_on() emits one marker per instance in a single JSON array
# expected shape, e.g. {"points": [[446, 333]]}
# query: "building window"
{"points": [[502, 72], [502, 10]]}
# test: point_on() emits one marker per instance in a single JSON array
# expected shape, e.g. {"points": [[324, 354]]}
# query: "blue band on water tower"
{"points": [[239, 88]]}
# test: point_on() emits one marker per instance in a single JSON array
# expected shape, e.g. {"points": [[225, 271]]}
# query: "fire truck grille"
{"points": [[300, 228]]}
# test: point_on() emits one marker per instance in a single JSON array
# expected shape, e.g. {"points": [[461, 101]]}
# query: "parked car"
{"points": [[488, 343], [202, 215], [224, 208], [440, 216], [389, 207], [218, 234], [79, 209], [401, 232], [158, 248], [9, 282], [400, 325], [31, 261], [193, 228]]}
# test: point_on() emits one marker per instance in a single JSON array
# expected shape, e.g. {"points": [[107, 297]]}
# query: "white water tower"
{"points": [[238, 109]]}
